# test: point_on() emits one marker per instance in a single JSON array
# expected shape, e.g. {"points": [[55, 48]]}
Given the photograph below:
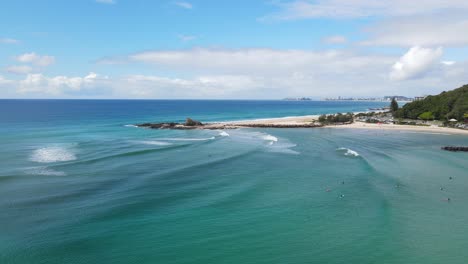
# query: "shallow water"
{"points": [[78, 186]]}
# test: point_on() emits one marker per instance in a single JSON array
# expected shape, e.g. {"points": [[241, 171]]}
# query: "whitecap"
{"points": [[283, 148], [349, 152], [44, 171], [271, 138], [187, 139], [130, 126], [52, 154], [223, 134], [155, 142]]}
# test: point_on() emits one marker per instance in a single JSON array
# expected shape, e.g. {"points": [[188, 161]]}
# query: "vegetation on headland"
{"points": [[394, 105], [445, 106], [338, 118]]}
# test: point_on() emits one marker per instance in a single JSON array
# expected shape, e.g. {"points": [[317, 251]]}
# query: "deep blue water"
{"points": [[78, 185]]}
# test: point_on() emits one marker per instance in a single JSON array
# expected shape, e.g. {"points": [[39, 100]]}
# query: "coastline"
{"points": [[309, 119], [392, 127]]}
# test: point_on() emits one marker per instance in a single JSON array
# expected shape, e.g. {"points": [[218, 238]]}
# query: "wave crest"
{"points": [[223, 134], [155, 142], [349, 152]]}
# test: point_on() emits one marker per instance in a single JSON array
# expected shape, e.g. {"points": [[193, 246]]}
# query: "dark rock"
{"points": [[452, 148], [191, 122]]}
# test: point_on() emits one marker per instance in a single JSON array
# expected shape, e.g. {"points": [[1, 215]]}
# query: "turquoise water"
{"points": [[79, 186]]}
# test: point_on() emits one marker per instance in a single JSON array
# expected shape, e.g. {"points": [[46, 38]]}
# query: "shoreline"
{"points": [[307, 121], [405, 128]]}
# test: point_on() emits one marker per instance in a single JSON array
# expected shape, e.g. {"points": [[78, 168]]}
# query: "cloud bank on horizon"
{"points": [[185, 49]]}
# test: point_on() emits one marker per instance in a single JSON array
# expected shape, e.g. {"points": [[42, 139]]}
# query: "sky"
{"points": [[207, 49]]}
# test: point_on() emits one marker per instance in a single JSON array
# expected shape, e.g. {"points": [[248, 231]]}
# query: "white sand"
{"points": [[303, 120], [391, 127]]}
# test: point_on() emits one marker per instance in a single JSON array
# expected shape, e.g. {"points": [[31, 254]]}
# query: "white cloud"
{"points": [[9, 41], [110, 2], [19, 69], [259, 61], [36, 59], [421, 30], [4, 81], [255, 73], [335, 39], [416, 62], [306, 9], [448, 63], [58, 85], [186, 38], [273, 73], [183, 4]]}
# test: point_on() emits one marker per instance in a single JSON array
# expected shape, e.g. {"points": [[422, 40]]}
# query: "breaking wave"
{"points": [[187, 139], [223, 134], [271, 138], [155, 143], [349, 152]]}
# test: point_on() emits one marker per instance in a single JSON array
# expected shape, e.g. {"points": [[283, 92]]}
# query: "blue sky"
{"points": [[230, 49]]}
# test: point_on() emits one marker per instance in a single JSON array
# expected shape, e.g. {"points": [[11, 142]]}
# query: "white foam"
{"points": [[271, 138], [223, 134], [52, 154], [130, 126], [187, 139], [46, 172], [283, 148], [349, 152], [155, 142]]}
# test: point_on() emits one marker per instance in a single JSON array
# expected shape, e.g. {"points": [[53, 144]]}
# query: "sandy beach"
{"points": [[310, 119], [391, 127]]}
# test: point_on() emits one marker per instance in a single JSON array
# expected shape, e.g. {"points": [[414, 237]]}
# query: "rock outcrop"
{"points": [[190, 122]]}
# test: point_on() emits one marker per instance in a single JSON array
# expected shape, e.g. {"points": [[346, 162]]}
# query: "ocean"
{"points": [[80, 184]]}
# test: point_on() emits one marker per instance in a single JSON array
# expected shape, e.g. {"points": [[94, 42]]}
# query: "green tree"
{"points": [[394, 105], [426, 116], [322, 118]]}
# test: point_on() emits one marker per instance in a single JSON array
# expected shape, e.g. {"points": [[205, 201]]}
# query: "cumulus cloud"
{"points": [[19, 69], [33, 58], [9, 41], [183, 4], [58, 85], [257, 73], [414, 63]]}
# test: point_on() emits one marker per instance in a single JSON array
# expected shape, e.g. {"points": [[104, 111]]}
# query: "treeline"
{"points": [[338, 118], [447, 105]]}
